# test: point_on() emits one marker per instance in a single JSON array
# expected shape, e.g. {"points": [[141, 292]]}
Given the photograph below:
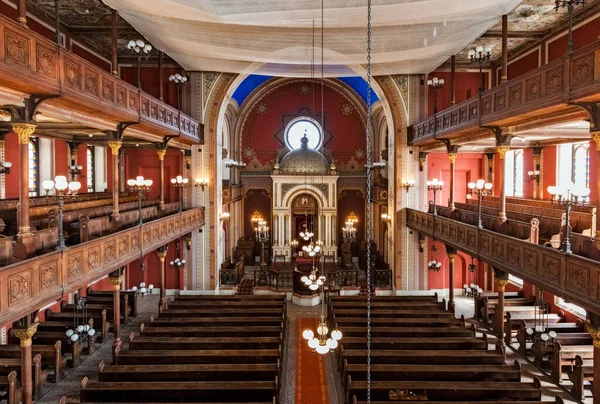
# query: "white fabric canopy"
{"points": [[274, 37]]}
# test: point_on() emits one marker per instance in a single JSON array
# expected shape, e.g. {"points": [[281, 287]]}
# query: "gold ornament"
{"points": [[596, 139], [451, 257], [594, 332], [161, 255], [502, 284], [23, 131], [25, 335], [161, 154], [116, 282], [502, 150], [452, 157], [114, 147]]}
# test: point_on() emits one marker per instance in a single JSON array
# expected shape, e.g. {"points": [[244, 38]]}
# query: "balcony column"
{"points": [[114, 45], [24, 131], [114, 148], [116, 278], [161, 94], [596, 138], [452, 157], [502, 279], [538, 193], [504, 76], [593, 327], [161, 158], [451, 258], [25, 335], [453, 80], [22, 11], [162, 253], [502, 150]]}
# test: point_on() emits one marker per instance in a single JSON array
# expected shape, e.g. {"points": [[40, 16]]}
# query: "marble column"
{"points": [[114, 147], [451, 258], [162, 305], [452, 157], [161, 160], [502, 150], [116, 279], [25, 335], [24, 131], [500, 309]]}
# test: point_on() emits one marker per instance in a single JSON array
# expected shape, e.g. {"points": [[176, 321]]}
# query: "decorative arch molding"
{"points": [[311, 190]]}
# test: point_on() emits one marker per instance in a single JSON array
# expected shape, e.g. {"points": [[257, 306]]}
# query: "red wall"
{"points": [[145, 162], [151, 273], [260, 130], [521, 66], [528, 184], [441, 279], [468, 168], [549, 169], [582, 36], [150, 82], [90, 57], [465, 81]]}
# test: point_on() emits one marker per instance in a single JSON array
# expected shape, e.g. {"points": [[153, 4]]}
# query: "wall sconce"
{"points": [[177, 263], [5, 167], [225, 216], [386, 217], [534, 175], [234, 164], [75, 170], [408, 184], [201, 182]]}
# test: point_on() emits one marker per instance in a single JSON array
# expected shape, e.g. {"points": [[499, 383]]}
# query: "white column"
{"points": [[287, 229], [275, 230]]}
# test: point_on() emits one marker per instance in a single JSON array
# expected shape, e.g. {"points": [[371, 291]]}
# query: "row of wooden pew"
{"points": [[421, 352], [52, 350], [567, 353], [199, 349]]}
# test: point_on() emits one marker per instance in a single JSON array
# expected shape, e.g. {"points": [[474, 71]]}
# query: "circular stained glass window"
{"points": [[298, 128]]}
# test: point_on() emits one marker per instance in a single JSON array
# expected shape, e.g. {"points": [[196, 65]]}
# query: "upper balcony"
{"points": [[33, 65], [540, 97]]}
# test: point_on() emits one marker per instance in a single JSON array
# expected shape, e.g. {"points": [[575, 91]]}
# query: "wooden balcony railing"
{"points": [[29, 285], [33, 64], [542, 95], [574, 278]]}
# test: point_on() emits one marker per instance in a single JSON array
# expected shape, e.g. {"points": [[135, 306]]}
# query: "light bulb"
{"points": [[308, 334], [140, 43], [336, 334], [142, 284], [91, 332], [313, 343], [322, 349], [79, 328], [332, 344], [134, 288], [529, 331], [552, 334], [313, 287], [74, 337], [322, 329], [69, 333], [544, 337]]}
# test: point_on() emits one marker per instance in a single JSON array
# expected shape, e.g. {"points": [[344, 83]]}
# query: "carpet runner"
{"points": [[246, 287], [311, 381]]}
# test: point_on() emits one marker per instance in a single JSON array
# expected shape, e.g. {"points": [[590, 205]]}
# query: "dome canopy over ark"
{"points": [[304, 161]]}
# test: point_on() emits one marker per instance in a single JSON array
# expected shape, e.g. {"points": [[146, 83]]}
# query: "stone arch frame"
{"points": [[296, 191]]}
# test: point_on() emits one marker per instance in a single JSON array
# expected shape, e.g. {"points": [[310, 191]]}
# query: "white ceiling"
{"points": [[275, 37]]}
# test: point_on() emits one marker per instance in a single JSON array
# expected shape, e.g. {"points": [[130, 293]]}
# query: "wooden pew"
{"points": [[425, 332], [542, 351], [454, 391], [559, 328], [480, 301], [93, 294], [582, 372], [558, 400], [425, 357], [203, 343], [189, 372], [215, 321], [512, 321], [108, 304], [270, 331], [489, 306], [51, 355], [563, 357], [8, 388], [385, 313], [49, 338], [234, 312], [160, 392], [374, 299], [397, 322], [39, 375], [405, 343], [382, 372], [101, 323]]}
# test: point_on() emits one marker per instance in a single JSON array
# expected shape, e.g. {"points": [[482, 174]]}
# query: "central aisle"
{"points": [[311, 380]]}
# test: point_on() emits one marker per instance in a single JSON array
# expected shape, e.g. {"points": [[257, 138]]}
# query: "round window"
{"points": [[298, 128]]}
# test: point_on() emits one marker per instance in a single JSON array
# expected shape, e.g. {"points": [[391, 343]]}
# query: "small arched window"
{"points": [[33, 166], [90, 169], [581, 165]]}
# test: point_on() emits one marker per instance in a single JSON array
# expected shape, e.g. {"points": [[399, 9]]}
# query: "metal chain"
{"points": [[322, 64], [369, 162]]}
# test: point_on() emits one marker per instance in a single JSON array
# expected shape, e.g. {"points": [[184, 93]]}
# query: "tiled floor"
{"points": [[69, 386]]}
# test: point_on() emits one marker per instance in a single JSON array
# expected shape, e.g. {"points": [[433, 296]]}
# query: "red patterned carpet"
{"points": [[311, 383]]}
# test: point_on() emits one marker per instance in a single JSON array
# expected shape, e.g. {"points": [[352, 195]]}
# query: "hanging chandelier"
{"points": [[313, 249], [306, 234], [313, 281], [349, 230], [434, 265], [81, 331]]}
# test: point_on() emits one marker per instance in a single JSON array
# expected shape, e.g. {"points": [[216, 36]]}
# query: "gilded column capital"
{"points": [[594, 332], [114, 147], [596, 139], [451, 257], [502, 284], [161, 154], [161, 255], [116, 282], [25, 334], [23, 131], [452, 157], [188, 160], [502, 150]]}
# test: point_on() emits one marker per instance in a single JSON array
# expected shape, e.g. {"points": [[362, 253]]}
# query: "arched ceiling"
{"points": [[275, 37]]}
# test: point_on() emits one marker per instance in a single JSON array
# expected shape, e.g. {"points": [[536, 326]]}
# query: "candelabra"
{"points": [[141, 186], [408, 184], [539, 331], [435, 85], [261, 231], [386, 217], [139, 48], [177, 263], [60, 184], [306, 234], [479, 188], [230, 163], [480, 55], [321, 343], [5, 167], [143, 290], [201, 182], [570, 5], [225, 216], [534, 175], [313, 281], [434, 265], [434, 186], [179, 182], [349, 231], [179, 81], [82, 330], [567, 196], [312, 249], [294, 244], [75, 170]]}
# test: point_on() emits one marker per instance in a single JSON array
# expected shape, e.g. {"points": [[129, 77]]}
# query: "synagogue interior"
{"points": [[311, 202]]}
